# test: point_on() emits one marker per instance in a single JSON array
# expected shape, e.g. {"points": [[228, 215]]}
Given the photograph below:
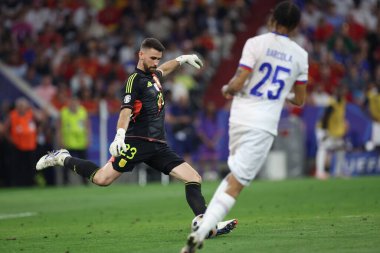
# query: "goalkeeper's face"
{"points": [[150, 59]]}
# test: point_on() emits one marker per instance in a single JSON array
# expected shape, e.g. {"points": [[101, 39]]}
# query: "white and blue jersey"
{"points": [[277, 63]]}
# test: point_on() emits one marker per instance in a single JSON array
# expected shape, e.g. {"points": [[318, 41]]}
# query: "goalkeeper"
{"points": [[140, 135]]}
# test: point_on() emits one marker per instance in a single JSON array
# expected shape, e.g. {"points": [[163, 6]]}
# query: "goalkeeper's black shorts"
{"points": [[157, 155]]}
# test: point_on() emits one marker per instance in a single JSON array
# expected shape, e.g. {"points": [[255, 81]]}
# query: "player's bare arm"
{"points": [[124, 117], [298, 97], [236, 83], [118, 145], [169, 66]]}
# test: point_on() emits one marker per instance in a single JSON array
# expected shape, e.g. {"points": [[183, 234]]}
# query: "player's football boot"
{"points": [[193, 243], [224, 227], [53, 158]]}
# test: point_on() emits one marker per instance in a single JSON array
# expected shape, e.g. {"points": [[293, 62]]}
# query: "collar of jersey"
{"points": [[281, 34], [143, 72]]}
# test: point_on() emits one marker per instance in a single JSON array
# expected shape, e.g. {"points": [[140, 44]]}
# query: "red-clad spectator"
{"points": [[112, 96], [65, 69], [110, 15], [323, 31], [89, 64], [72, 4], [314, 69], [61, 97], [356, 31], [205, 41], [49, 36], [113, 70], [88, 101], [327, 78]]}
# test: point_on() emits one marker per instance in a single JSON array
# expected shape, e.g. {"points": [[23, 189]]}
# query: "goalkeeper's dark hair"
{"points": [[152, 43], [287, 14]]}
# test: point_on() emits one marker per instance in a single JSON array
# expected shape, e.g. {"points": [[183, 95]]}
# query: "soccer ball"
{"points": [[197, 221]]}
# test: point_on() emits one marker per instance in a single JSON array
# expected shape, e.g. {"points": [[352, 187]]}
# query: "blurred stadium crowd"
{"points": [[86, 49]]}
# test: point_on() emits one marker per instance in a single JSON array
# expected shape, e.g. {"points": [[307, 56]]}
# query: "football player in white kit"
{"points": [[272, 69]]}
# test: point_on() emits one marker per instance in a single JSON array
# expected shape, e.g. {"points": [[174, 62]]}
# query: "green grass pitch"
{"points": [[302, 215]]}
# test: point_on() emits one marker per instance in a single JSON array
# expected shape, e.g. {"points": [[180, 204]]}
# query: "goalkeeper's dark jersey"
{"points": [[143, 95]]}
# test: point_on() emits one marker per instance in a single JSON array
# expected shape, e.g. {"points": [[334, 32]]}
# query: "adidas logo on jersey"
{"points": [[149, 84]]}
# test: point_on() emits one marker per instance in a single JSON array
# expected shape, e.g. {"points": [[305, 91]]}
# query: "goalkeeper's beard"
{"points": [[150, 69]]}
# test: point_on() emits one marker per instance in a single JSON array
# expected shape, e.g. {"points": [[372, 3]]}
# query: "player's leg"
{"points": [[375, 137], [220, 205], [249, 154], [374, 141], [84, 168], [165, 160], [321, 156], [169, 163], [339, 155], [338, 146], [192, 180], [105, 175], [101, 176], [194, 197]]}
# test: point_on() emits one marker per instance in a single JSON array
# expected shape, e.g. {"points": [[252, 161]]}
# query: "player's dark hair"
{"points": [[152, 43], [287, 14]]}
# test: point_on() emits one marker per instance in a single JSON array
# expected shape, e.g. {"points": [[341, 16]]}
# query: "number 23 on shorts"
{"points": [[130, 152]]}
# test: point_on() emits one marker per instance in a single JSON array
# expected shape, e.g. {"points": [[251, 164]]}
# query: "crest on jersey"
{"points": [[149, 84], [157, 83], [160, 101], [127, 99]]}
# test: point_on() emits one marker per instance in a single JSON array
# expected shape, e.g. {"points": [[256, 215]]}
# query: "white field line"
{"points": [[16, 215], [354, 216]]}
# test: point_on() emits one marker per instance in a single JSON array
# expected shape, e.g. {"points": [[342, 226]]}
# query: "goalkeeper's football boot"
{"points": [[224, 227], [53, 158], [193, 243]]}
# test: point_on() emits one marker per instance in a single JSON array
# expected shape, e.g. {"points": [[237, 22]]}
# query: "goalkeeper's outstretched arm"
{"points": [[169, 66]]}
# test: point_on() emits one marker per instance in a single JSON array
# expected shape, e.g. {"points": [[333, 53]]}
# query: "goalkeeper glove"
{"points": [[191, 59], [118, 143]]}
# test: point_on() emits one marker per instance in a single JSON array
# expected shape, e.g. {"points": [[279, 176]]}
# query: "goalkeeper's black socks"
{"points": [[195, 198], [82, 167]]}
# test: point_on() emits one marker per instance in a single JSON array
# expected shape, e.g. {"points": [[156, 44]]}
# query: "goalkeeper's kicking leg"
{"points": [[104, 176], [100, 176]]}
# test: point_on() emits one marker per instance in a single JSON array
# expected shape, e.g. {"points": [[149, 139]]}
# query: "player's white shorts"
{"points": [[249, 148]]}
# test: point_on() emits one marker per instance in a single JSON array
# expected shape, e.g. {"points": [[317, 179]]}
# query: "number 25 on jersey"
{"points": [[276, 81]]}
